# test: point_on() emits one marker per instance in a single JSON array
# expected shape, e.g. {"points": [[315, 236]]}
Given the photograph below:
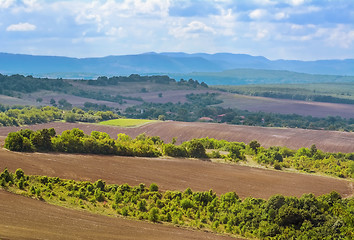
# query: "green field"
{"points": [[127, 122]]}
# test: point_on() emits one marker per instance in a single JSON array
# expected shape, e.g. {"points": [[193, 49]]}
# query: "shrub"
{"points": [[195, 149], [186, 203], [19, 173], [154, 214], [16, 142], [277, 166], [153, 187]]}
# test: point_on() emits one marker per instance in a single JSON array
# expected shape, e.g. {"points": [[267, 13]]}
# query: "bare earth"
{"points": [[329, 141], [25, 218], [174, 174], [287, 106]]}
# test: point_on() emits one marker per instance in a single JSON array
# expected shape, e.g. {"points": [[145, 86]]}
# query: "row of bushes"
{"points": [[75, 141], [33, 115], [308, 217]]}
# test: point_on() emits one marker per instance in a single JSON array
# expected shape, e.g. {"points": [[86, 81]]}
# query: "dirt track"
{"points": [[174, 174], [329, 141], [25, 218]]}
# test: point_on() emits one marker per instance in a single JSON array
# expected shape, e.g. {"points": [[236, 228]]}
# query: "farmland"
{"points": [[286, 106], [328, 141], [222, 178], [169, 173]]}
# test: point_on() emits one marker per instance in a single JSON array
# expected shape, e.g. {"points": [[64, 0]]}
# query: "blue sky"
{"points": [[276, 29]]}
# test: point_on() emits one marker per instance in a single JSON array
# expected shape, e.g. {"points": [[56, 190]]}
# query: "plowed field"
{"points": [[329, 141], [174, 174]]}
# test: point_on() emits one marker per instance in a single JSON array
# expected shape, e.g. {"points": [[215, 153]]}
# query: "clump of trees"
{"points": [[159, 79], [308, 217], [308, 160], [14, 84], [33, 115]]}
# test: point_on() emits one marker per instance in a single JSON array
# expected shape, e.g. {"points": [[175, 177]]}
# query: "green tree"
{"points": [[196, 149], [41, 139], [153, 187], [154, 214], [16, 142], [254, 145]]}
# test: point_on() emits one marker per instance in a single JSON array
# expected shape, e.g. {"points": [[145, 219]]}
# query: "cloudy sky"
{"points": [[276, 29]]}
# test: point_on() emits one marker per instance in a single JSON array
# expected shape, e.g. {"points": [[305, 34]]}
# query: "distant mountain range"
{"points": [[161, 63]]}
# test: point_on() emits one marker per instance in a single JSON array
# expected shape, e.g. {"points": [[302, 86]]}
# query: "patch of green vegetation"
{"points": [[127, 122], [33, 115], [308, 217]]}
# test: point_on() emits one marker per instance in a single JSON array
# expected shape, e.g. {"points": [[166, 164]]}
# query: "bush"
{"points": [[16, 142], [195, 149], [154, 214], [174, 151], [153, 187], [186, 203], [277, 166]]}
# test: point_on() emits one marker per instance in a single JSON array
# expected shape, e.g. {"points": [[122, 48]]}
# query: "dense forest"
{"points": [[75, 141], [308, 217]]}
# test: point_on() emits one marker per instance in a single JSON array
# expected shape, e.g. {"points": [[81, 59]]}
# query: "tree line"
{"points": [[308, 217], [76, 141], [32, 115]]}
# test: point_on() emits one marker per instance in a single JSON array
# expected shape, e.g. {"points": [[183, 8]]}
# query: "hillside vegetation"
{"points": [[324, 217], [75, 141]]}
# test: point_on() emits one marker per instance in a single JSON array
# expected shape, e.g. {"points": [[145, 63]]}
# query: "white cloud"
{"points": [[258, 14], [6, 3], [261, 34], [115, 32], [296, 2], [21, 27], [225, 23], [193, 29], [340, 36], [280, 16]]}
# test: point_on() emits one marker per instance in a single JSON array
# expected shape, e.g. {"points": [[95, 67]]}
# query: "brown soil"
{"points": [[329, 141], [287, 106], [25, 218], [174, 174]]}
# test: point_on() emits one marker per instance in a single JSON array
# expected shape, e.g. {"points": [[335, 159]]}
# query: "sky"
{"points": [[276, 29]]}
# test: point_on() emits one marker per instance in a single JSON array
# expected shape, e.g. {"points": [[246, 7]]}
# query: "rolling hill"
{"points": [[147, 63]]}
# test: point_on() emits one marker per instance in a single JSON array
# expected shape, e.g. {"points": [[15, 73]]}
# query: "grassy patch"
{"points": [[127, 122]]}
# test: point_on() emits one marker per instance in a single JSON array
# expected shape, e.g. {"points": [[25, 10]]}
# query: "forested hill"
{"points": [[53, 66]]}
